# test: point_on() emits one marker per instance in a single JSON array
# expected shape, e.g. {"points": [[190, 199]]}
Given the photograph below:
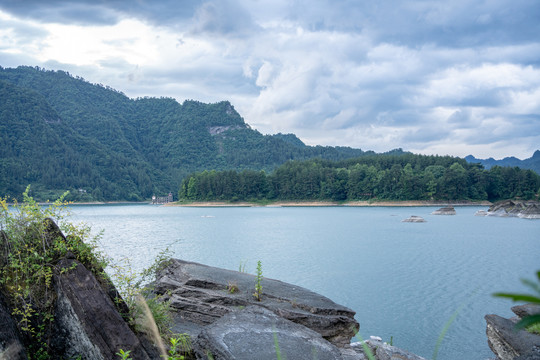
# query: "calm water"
{"points": [[404, 280]]}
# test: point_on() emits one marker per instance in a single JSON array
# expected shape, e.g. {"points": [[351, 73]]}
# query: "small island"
{"points": [[448, 210], [525, 209]]}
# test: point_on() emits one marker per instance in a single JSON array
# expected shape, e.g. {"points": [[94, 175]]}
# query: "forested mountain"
{"points": [[384, 177], [59, 132], [532, 163]]}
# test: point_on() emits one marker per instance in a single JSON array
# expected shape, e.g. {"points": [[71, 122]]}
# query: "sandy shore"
{"points": [[331, 203]]}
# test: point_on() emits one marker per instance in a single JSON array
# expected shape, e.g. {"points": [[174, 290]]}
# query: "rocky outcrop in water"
{"points": [[508, 343], [447, 210], [414, 219], [217, 308], [526, 209]]}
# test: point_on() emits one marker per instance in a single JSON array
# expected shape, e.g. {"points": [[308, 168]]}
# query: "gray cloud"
{"points": [[223, 18], [422, 75]]}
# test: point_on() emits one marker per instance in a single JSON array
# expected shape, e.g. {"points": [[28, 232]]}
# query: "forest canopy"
{"points": [[384, 177]]}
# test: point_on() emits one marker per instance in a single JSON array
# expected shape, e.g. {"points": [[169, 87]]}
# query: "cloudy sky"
{"points": [[452, 77]]}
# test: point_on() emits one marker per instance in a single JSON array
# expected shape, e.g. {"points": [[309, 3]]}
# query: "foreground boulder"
{"points": [[201, 295], [87, 321], [508, 343]]}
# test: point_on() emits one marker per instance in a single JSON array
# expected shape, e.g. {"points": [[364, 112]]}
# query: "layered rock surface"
{"points": [[508, 343], [200, 296]]}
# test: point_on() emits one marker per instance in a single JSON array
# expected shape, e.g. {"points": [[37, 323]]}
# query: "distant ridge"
{"points": [[60, 132], [532, 163]]}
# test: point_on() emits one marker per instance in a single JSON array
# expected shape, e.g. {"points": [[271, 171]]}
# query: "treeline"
{"points": [[384, 177]]}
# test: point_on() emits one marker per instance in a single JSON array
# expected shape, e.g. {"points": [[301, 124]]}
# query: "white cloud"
{"points": [[458, 77]]}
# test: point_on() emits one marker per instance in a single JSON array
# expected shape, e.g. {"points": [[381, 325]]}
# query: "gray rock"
{"points": [[199, 296], [534, 354], [448, 210], [414, 219], [11, 344], [505, 341], [529, 209], [532, 211], [257, 333], [87, 323], [526, 310], [383, 351]]}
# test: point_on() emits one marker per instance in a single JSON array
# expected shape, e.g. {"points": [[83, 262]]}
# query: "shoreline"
{"points": [[389, 203], [405, 203]]}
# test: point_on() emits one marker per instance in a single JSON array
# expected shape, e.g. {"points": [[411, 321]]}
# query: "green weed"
{"points": [[32, 240], [124, 355], [258, 279]]}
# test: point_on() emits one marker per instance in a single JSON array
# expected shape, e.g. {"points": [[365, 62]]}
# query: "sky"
{"points": [[445, 77]]}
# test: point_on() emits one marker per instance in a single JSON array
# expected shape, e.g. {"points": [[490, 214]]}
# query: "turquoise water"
{"points": [[404, 280]]}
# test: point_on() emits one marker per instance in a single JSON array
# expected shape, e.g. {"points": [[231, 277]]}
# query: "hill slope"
{"points": [[59, 132]]}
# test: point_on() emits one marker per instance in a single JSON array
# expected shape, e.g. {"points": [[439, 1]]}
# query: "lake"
{"points": [[404, 280]]}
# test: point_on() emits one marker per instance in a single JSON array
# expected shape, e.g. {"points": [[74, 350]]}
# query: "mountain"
{"points": [[60, 132], [532, 163]]}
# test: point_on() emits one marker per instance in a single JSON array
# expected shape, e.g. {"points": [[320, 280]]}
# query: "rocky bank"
{"points": [[216, 307]]}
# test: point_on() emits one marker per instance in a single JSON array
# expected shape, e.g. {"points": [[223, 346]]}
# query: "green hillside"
{"points": [[60, 132]]}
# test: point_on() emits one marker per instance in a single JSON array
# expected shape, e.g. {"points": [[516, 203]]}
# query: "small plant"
{"points": [[232, 287], [242, 266], [258, 286], [530, 323], [180, 344], [124, 355]]}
